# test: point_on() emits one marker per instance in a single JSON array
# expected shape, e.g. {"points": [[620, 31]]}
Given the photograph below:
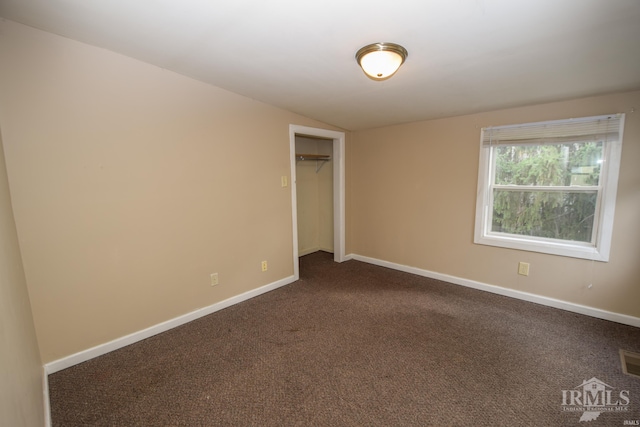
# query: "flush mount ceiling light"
{"points": [[380, 61]]}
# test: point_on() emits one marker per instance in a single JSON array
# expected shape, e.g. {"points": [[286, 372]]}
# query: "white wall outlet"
{"points": [[214, 279], [264, 266], [523, 268]]}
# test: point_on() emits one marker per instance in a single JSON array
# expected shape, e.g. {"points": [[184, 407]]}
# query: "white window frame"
{"points": [[599, 248]]}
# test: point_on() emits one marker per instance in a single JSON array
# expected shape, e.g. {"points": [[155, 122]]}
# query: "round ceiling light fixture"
{"points": [[380, 61]]}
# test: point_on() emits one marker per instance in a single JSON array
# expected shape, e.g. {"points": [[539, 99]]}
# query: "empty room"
{"points": [[336, 213]]}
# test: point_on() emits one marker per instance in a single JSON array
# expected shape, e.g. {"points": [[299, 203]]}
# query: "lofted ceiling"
{"points": [[465, 56]]}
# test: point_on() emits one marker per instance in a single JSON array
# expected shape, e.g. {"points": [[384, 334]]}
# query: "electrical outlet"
{"points": [[523, 268], [214, 279], [264, 266]]}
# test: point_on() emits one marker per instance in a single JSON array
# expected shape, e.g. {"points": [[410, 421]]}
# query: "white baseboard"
{"points": [[313, 250], [308, 251], [99, 350], [525, 296]]}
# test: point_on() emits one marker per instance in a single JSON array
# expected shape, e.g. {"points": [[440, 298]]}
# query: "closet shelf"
{"points": [[324, 157], [319, 158]]}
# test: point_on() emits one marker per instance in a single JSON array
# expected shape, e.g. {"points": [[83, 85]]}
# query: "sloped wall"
{"points": [[131, 185]]}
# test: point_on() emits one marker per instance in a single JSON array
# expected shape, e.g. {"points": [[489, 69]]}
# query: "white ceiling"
{"points": [[464, 55]]}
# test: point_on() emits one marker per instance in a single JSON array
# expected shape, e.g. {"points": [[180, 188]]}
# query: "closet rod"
{"points": [[322, 158]]}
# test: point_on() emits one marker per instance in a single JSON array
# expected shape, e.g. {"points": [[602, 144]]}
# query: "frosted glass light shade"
{"points": [[380, 61]]}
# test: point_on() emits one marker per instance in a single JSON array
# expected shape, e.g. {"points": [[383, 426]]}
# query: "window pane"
{"points": [[575, 164], [556, 215]]}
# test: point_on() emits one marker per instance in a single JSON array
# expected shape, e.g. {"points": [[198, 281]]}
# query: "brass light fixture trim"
{"points": [[380, 61]]}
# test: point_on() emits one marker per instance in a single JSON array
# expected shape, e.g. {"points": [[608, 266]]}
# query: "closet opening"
{"points": [[317, 192], [314, 194]]}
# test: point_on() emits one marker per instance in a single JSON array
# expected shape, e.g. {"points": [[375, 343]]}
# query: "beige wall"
{"points": [[314, 185], [413, 194], [21, 398], [131, 184]]}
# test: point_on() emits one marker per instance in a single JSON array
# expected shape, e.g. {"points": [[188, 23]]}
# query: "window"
{"points": [[550, 186]]}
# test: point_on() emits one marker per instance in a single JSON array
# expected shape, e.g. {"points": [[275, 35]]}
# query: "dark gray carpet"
{"points": [[353, 344]]}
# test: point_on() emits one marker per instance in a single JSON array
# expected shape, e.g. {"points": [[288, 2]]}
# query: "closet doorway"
{"points": [[317, 192]]}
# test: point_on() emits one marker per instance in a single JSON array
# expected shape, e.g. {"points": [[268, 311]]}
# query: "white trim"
{"points": [[338, 197], [313, 250], [613, 158], [294, 201], [99, 350], [512, 293], [308, 251], [338, 190], [596, 250], [542, 245], [47, 400]]}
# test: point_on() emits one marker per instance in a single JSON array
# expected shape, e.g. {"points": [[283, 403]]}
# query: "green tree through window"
{"points": [[548, 213]]}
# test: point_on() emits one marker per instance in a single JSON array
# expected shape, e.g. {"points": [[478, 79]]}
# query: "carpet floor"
{"points": [[354, 344]]}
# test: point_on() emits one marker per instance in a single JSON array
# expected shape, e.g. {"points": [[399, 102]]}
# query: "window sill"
{"points": [[577, 250]]}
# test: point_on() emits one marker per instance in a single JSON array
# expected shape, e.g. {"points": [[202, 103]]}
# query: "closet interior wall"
{"points": [[314, 192]]}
